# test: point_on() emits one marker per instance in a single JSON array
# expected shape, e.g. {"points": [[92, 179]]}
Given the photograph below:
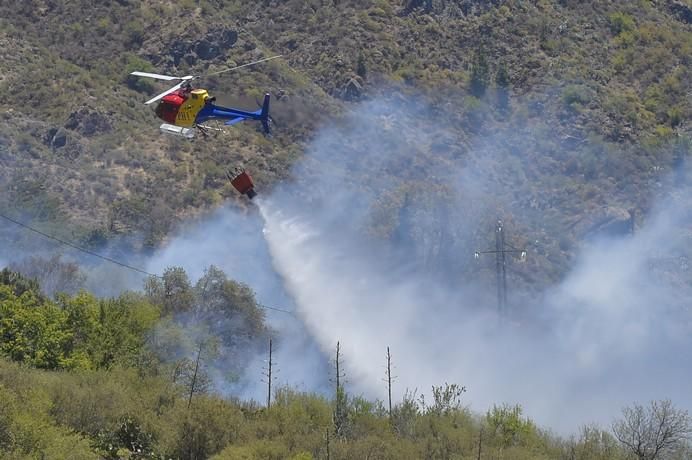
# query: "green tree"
{"points": [[361, 68], [229, 310], [405, 414], [446, 399], [508, 426], [33, 333], [83, 321], [74, 332], [172, 292], [502, 82], [123, 329], [595, 444], [18, 282], [206, 429], [480, 73], [620, 22], [128, 440]]}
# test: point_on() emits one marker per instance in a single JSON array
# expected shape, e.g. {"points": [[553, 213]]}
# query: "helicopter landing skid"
{"points": [[177, 131]]}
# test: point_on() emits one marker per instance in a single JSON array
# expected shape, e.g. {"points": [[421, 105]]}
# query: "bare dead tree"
{"points": [[480, 443], [389, 381], [54, 274], [327, 442], [340, 414], [652, 432], [194, 375], [269, 376]]}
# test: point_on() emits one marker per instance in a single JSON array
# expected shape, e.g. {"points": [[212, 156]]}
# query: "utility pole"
{"points": [[268, 375], [501, 265]]}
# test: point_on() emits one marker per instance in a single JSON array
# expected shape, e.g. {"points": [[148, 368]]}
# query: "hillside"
{"points": [[404, 129], [592, 98]]}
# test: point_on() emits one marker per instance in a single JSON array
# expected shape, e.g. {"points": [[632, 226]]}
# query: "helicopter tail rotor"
{"points": [[268, 121], [264, 114]]}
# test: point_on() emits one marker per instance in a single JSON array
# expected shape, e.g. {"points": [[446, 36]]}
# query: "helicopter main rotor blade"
{"points": [[155, 75], [165, 93], [241, 66]]}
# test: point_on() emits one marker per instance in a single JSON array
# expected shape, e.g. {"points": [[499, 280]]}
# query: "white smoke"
{"points": [[610, 338], [233, 241], [607, 334]]}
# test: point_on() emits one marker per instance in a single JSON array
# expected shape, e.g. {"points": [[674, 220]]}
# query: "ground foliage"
{"points": [[82, 377]]}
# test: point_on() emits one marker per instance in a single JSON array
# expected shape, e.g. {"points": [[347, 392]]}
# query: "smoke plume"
{"points": [[574, 351], [372, 245]]}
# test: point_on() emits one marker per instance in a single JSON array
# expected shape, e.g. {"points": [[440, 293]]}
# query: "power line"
{"points": [[79, 248], [278, 309], [108, 259]]}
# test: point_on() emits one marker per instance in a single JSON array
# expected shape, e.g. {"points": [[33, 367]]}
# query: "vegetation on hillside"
{"points": [[576, 112], [603, 87], [123, 398]]}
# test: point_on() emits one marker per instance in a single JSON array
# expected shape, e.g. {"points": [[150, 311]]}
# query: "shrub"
{"points": [[507, 424], [620, 22], [576, 95], [675, 116]]}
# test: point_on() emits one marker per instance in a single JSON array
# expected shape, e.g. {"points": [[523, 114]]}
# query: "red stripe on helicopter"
{"points": [[168, 108]]}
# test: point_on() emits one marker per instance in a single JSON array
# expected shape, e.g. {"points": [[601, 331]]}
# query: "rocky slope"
{"points": [[588, 101]]}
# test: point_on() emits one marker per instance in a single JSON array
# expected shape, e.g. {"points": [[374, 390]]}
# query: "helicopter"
{"points": [[184, 108]]}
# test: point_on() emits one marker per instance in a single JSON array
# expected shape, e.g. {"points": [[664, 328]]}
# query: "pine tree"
{"points": [[502, 82], [480, 75]]}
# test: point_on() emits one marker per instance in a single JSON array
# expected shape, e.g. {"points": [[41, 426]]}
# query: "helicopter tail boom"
{"points": [[233, 116]]}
